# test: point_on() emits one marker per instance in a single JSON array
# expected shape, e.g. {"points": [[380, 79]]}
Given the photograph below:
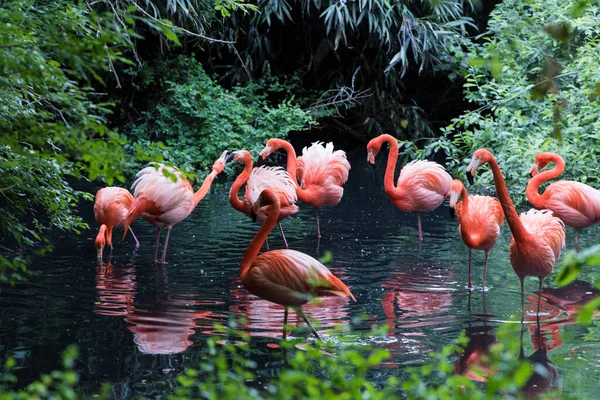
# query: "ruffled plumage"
{"points": [[154, 185], [275, 178], [426, 174], [544, 225], [112, 205], [320, 165]]}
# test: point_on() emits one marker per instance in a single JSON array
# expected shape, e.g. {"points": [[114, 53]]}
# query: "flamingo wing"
{"points": [[159, 188], [275, 178], [426, 175], [576, 203], [544, 225], [112, 205], [290, 277], [320, 165], [486, 208]]}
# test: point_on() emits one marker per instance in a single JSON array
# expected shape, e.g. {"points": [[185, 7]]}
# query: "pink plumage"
{"points": [[575, 203], [543, 225], [322, 170], [276, 179], [111, 207], [164, 197], [424, 185]]}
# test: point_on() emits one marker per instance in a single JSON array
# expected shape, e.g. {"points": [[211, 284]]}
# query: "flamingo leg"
{"points": [[137, 243], [470, 285], [267, 243], [156, 245], [539, 297], [522, 299], [283, 235], [164, 256], [299, 311], [487, 255], [419, 224], [318, 228], [285, 317], [577, 240]]}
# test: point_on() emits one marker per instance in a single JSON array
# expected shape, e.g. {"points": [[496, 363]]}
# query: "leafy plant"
{"points": [[196, 119], [534, 93]]}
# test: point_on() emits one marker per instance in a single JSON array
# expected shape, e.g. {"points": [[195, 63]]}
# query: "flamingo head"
{"points": [[241, 155], [373, 148], [100, 241], [456, 188], [267, 197], [219, 165], [533, 171], [271, 146], [480, 157], [542, 160]]}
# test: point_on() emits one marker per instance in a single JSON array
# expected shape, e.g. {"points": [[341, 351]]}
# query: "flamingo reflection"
{"points": [[160, 325], [545, 375], [471, 361]]}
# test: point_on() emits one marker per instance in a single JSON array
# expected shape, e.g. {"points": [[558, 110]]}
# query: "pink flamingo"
{"points": [[163, 202], [111, 207], [318, 174], [422, 185], [575, 203], [286, 277], [479, 220], [537, 236], [258, 179]]}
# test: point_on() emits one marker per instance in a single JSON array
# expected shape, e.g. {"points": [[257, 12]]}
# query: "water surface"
{"points": [[138, 324]]}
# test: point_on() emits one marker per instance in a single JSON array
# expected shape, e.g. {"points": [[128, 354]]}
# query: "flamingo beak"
{"points": [[264, 153], [452, 205], [99, 254], [371, 158], [252, 214], [471, 170], [533, 171], [452, 212], [229, 156]]}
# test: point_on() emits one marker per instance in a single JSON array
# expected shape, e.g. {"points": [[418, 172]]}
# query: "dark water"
{"points": [[138, 325]]}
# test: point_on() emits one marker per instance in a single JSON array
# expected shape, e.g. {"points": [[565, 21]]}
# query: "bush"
{"points": [[197, 119], [536, 84]]}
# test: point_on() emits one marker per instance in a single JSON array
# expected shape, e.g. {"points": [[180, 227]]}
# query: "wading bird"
{"points": [[163, 202], [111, 207], [537, 236], [575, 203], [319, 173], [422, 185], [286, 277], [257, 180], [479, 220]]}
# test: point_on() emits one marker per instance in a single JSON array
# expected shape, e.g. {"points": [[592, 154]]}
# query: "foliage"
{"points": [[53, 121], [535, 80], [197, 118], [59, 384], [341, 369]]}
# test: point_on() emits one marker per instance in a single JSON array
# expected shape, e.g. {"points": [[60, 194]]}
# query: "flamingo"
{"points": [[318, 174], [286, 277], [422, 185], [537, 236], [479, 220], [111, 207], [575, 203], [257, 180], [163, 202]]}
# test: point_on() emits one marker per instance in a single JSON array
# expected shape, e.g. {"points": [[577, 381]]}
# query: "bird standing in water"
{"points": [[479, 220], [257, 180], [286, 277], [422, 185], [537, 236], [575, 203], [111, 207], [163, 202], [318, 174]]}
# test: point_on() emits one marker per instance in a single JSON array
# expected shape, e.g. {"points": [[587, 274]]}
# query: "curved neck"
{"points": [[263, 232], [388, 179], [534, 183], [510, 212], [235, 188], [292, 169], [101, 238], [201, 193]]}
